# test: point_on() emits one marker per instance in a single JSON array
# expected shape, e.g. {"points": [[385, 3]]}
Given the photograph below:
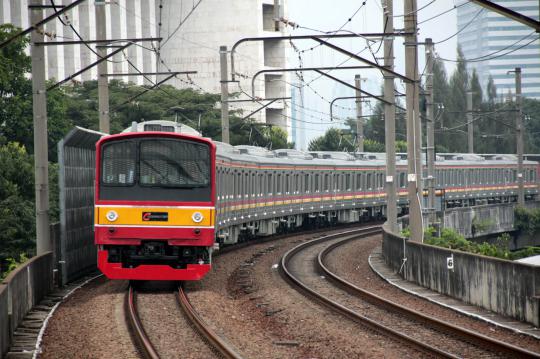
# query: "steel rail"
{"points": [[485, 342], [224, 348], [367, 322], [145, 346]]}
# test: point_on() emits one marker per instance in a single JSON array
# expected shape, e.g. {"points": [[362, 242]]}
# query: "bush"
{"points": [[527, 220], [13, 263]]}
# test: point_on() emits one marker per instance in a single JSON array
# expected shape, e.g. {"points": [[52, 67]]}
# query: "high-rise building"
{"points": [[124, 19], [495, 44], [192, 32]]}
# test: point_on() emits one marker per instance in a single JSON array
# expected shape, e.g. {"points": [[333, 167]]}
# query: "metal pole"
{"points": [[430, 129], [470, 127], [414, 162], [359, 123], [41, 160], [103, 84], [519, 137], [276, 15], [390, 119], [224, 95]]}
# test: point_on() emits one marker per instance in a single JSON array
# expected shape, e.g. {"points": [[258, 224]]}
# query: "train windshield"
{"points": [[155, 169], [169, 163]]}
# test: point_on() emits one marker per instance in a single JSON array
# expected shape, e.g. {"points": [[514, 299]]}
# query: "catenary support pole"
{"points": [[414, 139], [359, 119], [224, 95], [103, 83], [430, 129], [470, 124], [519, 137], [41, 160], [390, 118]]}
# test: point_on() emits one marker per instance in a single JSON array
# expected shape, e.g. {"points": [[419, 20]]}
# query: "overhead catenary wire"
{"points": [[461, 29], [70, 25], [490, 56]]}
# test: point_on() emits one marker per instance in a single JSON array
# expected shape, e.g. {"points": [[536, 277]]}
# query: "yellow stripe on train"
{"points": [[155, 216]]}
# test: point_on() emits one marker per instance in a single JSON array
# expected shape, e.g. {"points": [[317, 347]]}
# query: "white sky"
{"points": [[327, 15]]}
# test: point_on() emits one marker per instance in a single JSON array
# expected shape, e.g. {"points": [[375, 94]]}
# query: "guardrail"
{"points": [[23, 288]]}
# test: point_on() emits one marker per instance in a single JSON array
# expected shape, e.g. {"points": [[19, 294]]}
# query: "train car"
{"points": [[154, 205], [166, 197]]}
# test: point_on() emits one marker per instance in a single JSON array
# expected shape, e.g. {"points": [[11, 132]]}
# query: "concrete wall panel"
{"points": [[505, 287], [4, 321]]}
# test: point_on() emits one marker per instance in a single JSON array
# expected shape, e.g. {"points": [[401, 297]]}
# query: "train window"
{"points": [[270, 184], [172, 163], [235, 184], [368, 181], [278, 184], [325, 182], [253, 185], [348, 181], [306, 182], [316, 187], [287, 183], [514, 175], [118, 164], [297, 180]]}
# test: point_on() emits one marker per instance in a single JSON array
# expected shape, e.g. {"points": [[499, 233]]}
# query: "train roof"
{"points": [[296, 157]]}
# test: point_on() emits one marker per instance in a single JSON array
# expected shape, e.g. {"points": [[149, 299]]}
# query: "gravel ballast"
{"points": [[90, 324], [350, 261]]}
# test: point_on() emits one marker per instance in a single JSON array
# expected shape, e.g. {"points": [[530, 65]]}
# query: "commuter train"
{"points": [[166, 197]]}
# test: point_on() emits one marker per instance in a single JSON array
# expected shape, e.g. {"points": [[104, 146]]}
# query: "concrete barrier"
{"points": [[505, 287], [484, 220], [20, 291], [4, 321]]}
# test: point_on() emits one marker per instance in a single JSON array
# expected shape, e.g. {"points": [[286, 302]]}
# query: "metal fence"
{"points": [[76, 158]]}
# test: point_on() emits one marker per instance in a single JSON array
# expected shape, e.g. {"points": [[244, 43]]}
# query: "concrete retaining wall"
{"points": [[20, 291], [484, 220], [484, 281]]}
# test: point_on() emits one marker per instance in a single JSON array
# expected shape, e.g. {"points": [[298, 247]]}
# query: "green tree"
{"points": [[17, 227], [334, 139], [491, 91], [476, 88], [456, 105]]}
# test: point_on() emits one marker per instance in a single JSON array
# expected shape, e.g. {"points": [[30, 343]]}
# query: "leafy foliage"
{"points": [[452, 240], [334, 139], [12, 264], [527, 220], [17, 227]]}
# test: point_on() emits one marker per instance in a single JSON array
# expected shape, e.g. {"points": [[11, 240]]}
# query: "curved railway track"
{"points": [[143, 342], [305, 269]]}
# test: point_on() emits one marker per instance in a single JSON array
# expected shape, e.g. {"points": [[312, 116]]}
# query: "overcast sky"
{"points": [[327, 15]]}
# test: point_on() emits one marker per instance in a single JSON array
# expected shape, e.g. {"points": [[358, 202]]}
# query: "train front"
{"points": [[154, 206]]}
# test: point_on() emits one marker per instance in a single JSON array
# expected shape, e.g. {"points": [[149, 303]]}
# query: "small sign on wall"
{"points": [[450, 262]]}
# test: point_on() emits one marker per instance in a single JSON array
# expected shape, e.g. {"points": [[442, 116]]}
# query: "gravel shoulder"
{"points": [[350, 261], [90, 324]]}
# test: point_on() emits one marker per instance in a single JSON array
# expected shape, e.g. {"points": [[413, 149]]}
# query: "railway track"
{"points": [[143, 342], [305, 269]]}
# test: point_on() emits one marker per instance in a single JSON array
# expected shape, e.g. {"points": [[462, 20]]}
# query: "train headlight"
{"points": [[112, 216], [197, 217]]}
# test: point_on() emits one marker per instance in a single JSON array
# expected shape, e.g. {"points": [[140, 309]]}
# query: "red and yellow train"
{"points": [[164, 198]]}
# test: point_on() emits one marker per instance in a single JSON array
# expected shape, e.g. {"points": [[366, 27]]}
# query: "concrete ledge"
{"points": [[377, 264], [505, 287], [20, 291]]}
